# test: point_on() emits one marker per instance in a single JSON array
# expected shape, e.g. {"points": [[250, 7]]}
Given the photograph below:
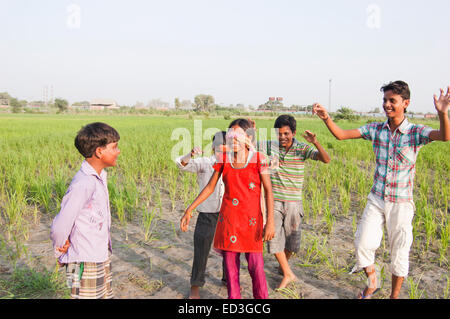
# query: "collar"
{"points": [[87, 169], [294, 143], [402, 127]]}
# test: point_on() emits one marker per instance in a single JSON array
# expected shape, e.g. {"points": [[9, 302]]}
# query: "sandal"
{"points": [[362, 296]]}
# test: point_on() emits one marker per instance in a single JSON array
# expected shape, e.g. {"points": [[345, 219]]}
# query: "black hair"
{"points": [[398, 87], [286, 120], [219, 139], [95, 135], [246, 125]]}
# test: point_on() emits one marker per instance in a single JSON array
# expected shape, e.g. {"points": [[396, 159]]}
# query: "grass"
{"points": [[26, 283], [38, 161]]}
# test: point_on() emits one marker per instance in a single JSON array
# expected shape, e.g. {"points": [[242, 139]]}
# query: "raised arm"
{"points": [[183, 161], [311, 138], [204, 194], [442, 104], [339, 133]]}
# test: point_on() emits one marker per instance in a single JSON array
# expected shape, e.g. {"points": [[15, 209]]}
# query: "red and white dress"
{"points": [[240, 224]]}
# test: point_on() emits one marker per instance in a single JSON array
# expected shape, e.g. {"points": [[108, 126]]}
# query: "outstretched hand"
{"points": [[442, 103], [320, 111], [310, 137]]}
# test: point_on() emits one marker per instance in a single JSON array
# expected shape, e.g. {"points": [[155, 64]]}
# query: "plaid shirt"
{"points": [[395, 155]]}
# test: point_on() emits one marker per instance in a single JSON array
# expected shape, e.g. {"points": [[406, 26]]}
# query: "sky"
{"points": [[239, 51]]}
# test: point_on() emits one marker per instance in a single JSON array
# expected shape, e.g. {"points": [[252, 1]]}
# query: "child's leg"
{"points": [[277, 245], [232, 265], [399, 229], [256, 270], [367, 239], [203, 238], [369, 233], [292, 227]]}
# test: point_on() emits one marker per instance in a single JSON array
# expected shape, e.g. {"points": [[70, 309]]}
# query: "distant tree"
{"points": [[177, 103], [375, 110], [203, 102], [5, 98], [157, 103], [62, 105], [345, 113], [139, 104], [15, 105], [186, 104], [81, 103]]}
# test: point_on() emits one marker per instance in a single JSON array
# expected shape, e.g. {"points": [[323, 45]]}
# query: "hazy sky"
{"points": [[239, 51]]}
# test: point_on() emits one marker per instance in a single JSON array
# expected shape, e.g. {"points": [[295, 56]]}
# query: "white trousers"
{"points": [[398, 219]]}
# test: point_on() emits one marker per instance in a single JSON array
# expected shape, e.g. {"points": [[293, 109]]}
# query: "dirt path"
{"points": [[161, 267]]}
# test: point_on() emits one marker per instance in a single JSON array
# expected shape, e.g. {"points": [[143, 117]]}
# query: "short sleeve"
{"points": [[366, 131], [311, 152], [422, 134]]}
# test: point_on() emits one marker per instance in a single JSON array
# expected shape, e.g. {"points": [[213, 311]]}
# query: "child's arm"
{"points": [[339, 133], [442, 105], [186, 158], [269, 229], [204, 194], [186, 163], [62, 225], [311, 138]]}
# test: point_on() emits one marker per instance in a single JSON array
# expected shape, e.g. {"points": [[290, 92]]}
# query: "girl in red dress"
{"points": [[240, 225]]}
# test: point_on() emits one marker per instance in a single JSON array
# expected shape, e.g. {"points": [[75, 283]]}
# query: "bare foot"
{"points": [[195, 292], [287, 279]]}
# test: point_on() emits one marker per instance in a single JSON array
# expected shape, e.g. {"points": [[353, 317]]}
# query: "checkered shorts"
{"points": [[88, 280]]}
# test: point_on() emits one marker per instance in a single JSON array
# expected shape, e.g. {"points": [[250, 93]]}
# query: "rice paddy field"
{"points": [[148, 195]]}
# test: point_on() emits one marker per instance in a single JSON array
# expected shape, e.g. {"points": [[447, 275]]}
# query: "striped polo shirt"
{"points": [[287, 176]]}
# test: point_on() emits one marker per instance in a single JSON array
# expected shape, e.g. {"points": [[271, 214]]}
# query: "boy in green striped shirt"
{"points": [[288, 158]]}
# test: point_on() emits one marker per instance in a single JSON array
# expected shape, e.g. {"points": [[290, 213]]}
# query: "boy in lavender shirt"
{"points": [[81, 231]]}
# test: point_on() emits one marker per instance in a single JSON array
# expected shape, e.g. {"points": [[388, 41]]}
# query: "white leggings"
{"points": [[398, 219]]}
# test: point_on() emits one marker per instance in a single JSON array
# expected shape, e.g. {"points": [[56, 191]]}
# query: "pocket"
{"points": [[406, 155]]}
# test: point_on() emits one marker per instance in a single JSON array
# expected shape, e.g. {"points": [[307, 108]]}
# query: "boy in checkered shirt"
{"points": [[396, 143]]}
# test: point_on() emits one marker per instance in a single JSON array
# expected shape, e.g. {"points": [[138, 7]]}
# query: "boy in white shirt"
{"points": [[208, 211]]}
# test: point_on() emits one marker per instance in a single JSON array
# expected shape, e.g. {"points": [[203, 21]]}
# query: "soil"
{"points": [[161, 267]]}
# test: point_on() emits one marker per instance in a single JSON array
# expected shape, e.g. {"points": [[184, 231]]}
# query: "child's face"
{"points": [[236, 138], [394, 105], [285, 136], [219, 150], [109, 154]]}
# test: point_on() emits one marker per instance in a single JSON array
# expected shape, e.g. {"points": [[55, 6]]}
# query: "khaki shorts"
{"points": [[287, 218], [397, 217]]}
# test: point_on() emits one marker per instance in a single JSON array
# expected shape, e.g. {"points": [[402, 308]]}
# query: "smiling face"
{"points": [[394, 105], [285, 136]]}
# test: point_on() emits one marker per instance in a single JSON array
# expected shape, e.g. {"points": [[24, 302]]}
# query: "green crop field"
{"points": [[38, 160]]}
